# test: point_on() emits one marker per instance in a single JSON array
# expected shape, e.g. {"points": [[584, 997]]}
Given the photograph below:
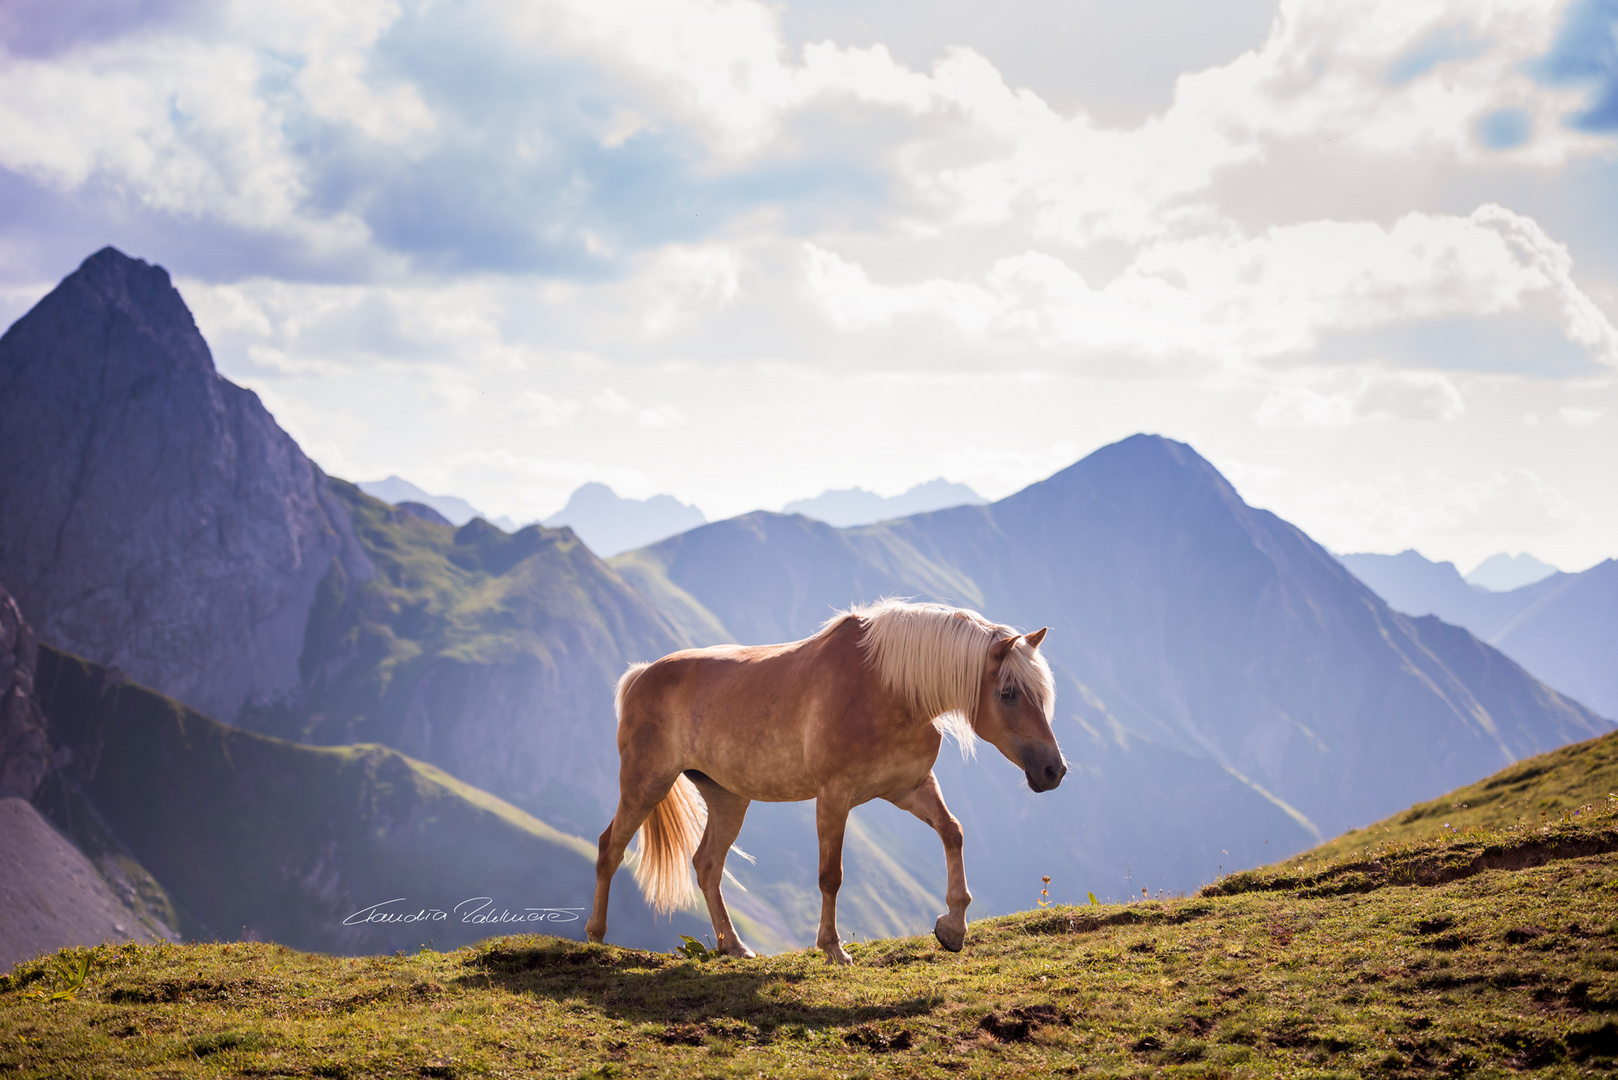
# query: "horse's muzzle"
{"points": [[1045, 775]]}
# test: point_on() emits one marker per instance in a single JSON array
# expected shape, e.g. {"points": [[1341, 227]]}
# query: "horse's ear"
{"points": [[1036, 637], [997, 651]]}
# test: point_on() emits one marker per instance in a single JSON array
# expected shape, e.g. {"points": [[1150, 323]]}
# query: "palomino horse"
{"points": [[852, 714]]}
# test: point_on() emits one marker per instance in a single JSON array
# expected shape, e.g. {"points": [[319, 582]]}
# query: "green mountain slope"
{"points": [[253, 837], [493, 656]]}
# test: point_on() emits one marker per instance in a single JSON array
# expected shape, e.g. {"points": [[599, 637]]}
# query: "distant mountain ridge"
{"points": [[1563, 628], [397, 491], [856, 506], [610, 523], [1503, 573]]}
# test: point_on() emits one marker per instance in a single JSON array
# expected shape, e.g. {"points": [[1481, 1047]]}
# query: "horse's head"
{"points": [[1014, 703]]}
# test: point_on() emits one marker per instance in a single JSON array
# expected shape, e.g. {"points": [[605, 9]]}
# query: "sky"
{"points": [[1363, 257]]}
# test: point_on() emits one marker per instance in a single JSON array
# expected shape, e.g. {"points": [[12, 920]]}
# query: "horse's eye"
{"points": [[1009, 694]]}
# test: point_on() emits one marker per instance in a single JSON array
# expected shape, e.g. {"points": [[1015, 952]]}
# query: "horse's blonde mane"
{"points": [[934, 656]]}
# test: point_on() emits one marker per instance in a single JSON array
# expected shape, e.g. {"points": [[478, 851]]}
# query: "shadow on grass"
{"points": [[628, 984]]}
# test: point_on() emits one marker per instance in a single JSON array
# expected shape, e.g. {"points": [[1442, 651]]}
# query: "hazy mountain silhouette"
{"points": [[1562, 628], [456, 511], [856, 506], [610, 523], [1502, 572], [1416, 585]]}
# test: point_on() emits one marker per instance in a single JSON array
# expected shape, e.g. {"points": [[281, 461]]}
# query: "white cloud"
{"points": [[684, 284], [1510, 502], [1510, 507], [501, 224], [659, 416], [544, 410], [1340, 399], [611, 401], [1580, 416], [1236, 299]]}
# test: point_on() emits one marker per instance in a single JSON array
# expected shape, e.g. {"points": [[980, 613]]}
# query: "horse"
{"points": [[855, 712]]}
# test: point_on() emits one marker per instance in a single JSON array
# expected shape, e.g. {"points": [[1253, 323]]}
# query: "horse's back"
{"points": [[779, 722]]}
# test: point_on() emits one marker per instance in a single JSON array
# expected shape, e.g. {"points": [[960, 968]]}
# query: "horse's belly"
{"points": [[755, 780]]}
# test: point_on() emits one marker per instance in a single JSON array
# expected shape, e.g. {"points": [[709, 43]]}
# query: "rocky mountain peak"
{"points": [[153, 516], [129, 308], [1150, 466]]}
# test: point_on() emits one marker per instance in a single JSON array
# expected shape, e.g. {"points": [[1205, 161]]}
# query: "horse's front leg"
{"points": [[831, 819], [927, 803]]}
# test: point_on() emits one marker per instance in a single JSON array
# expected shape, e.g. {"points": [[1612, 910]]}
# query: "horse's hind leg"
{"points": [[635, 803], [726, 810], [927, 803]]}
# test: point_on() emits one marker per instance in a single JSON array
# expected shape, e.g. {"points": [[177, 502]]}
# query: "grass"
{"points": [[1440, 964], [1538, 792]]}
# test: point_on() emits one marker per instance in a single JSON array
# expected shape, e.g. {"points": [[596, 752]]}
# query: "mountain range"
{"points": [[1228, 691], [856, 506], [1563, 628], [397, 491], [610, 523], [1502, 573]]}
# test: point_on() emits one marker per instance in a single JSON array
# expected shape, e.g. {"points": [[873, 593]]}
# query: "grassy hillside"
{"points": [[1487, 970], [1535, 792], [250, 836]]}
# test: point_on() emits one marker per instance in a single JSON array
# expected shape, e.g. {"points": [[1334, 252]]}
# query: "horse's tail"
{"points": [[668, 839], [670, 834], [625, 681]]}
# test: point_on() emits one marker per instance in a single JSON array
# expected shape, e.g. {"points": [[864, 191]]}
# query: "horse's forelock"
{"points": [[1026, 668]]}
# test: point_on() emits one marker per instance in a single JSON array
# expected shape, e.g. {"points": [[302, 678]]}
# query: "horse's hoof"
{"points": [[836, 955], [951, 937], [739, 951]]}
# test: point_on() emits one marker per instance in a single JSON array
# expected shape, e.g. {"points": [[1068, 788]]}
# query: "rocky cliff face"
{"points": [[153, 516], [23, 752]]}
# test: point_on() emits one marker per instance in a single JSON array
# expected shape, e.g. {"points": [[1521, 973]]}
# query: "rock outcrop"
{"points": [[51, 894], [153, 516], [24, 755]]}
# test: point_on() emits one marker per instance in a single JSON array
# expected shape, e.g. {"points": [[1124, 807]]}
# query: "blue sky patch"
{"points": [[1586, 53], [1505, 129]]}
